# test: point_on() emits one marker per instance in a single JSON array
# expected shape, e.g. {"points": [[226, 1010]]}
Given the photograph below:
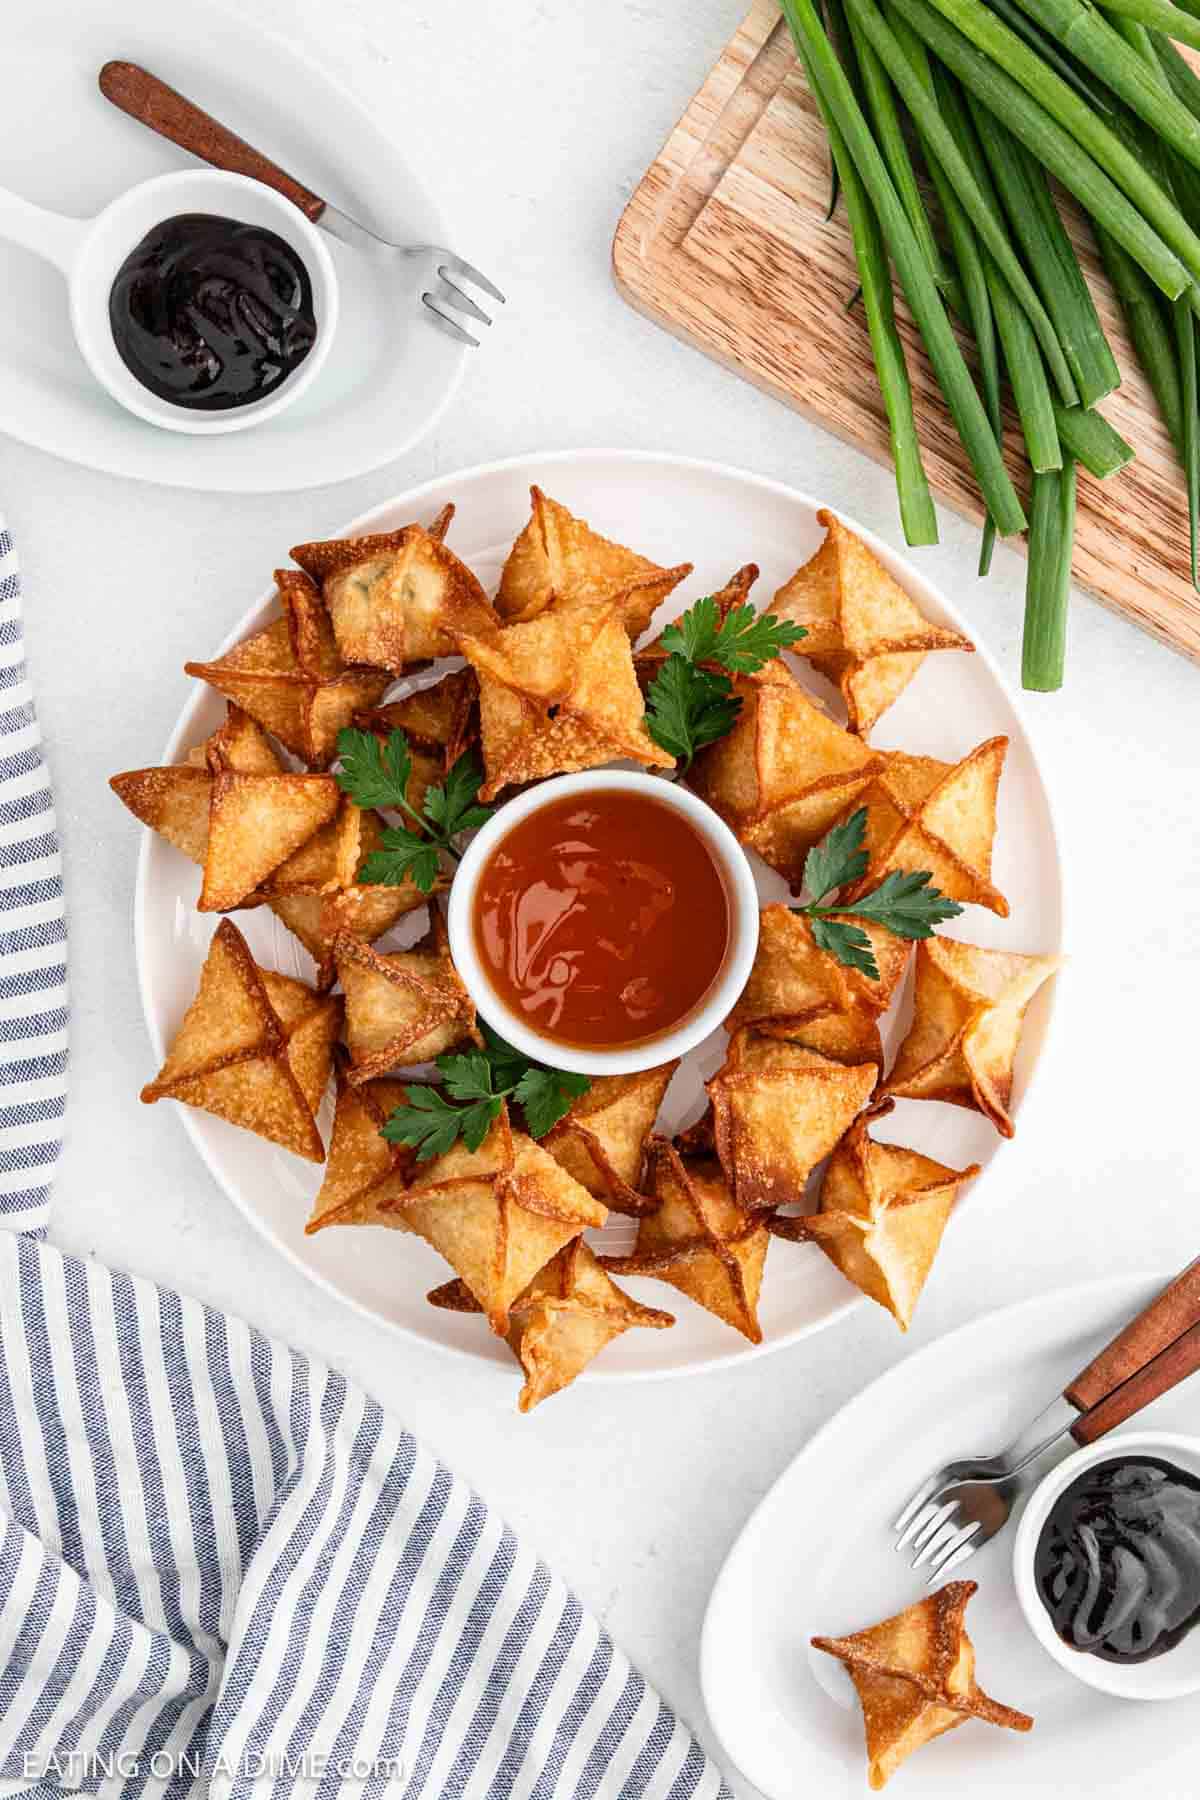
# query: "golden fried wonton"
{"points": [[255, 822], [558, 693], [175, 800], [798, 992], [317, 893], [968, 1009], [650, 658], [778, 1109], [439, 722], [864, 632], [926, 814], [915, 1678], [700, 1240], [565, 1317], [602, 1140], [883, 1210], [497, 1214], [402, 1009], [785, 772], [364, 1171], [558, 560], [254, 1047], [398, 597], [291, 677]]}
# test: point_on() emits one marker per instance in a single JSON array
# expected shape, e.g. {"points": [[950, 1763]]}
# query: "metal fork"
{"points": [[145, 98], [963, 1504]]}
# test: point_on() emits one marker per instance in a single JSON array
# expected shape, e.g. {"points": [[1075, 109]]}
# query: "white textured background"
{"points": [[534, 120]]}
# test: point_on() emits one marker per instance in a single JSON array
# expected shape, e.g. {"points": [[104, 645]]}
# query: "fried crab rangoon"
{"points": [[601, 1140], [926, 814], [364, 1172], [291, 677], [777, 1111], [254, 1048], [800, 993], [397, 597], [559, 561], [402, 1009], [785, 773], [567, 1315], [968, 1009], [864, 633], [915, 1679], [700, 1240], [439, 723], [559, 693], [255, 823], [497, 1214], [883, 1210], [175, 800]]}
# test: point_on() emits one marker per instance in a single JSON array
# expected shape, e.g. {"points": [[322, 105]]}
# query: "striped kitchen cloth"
{"points": [[224, 1571]]}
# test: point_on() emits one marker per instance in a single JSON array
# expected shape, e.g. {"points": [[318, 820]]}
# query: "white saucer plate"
{"points": [[390, 373], [675, 511], [817, 1558]]}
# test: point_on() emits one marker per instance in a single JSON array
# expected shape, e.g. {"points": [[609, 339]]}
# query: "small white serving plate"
{"points": [[673, 510], [390, 374], [817, 1557]]}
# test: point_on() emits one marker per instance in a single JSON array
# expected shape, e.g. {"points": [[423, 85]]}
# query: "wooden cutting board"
{"points": [[725, 243]]}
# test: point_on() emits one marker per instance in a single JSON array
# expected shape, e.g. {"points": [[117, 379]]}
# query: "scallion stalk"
{"points": [[924, 301], [1148, 330], [918, 515], [1063, 132], [1092, 441], [983, 208], [1051, 258], [1048, 579], [1158, 15]]}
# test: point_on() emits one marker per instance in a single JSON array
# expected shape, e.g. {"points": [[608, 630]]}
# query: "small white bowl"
{"points": [[741, 892], [1167, 1677], [89, 253]]}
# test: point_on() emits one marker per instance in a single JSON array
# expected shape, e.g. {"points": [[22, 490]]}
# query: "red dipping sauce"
{"points": [[602, 919]]}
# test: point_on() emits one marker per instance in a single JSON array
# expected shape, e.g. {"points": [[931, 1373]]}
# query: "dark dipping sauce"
{"points": [[210, 314], [1118, 1563], [602, 919]]}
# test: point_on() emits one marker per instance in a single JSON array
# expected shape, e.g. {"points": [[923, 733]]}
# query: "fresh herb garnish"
{"points": [[690, 702], [481, 1081], [378, 774], [905, 903]]}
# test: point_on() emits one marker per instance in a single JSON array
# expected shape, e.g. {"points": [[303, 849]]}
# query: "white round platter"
{"points": [[673, 510]]}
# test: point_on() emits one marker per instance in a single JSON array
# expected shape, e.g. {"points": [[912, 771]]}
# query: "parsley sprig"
{"points": [[691, 701], [378, 774], [480, 1082], [905, 902]]}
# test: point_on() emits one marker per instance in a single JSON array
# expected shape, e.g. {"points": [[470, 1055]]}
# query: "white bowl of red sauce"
{"points": [[604, 922]]}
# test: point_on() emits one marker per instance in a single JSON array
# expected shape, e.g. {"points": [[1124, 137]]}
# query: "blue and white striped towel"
{"points": [[223, 1570]]}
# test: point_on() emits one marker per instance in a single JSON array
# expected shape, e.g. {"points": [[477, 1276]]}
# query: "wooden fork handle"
{"points": [[1155, 1378], [1169, 1316], [145, 98]]}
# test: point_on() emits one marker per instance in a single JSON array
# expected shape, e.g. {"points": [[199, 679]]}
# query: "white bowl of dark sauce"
{"points": [[1107, 1565], [203, 302]]}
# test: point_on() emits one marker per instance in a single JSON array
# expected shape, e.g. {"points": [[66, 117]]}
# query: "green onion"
{"points": [[1151, 339], [924, 301], [881, 105], [1185, 83], [918, 515], [1048, 581], [1092, 441], [1048, 50], [1051, 257], [1064, 133], [983, 207], [1159, 15], [1026, 372], [1083, 31]]}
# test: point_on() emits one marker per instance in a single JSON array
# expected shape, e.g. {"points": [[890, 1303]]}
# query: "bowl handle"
{"points": [[47, 234]]}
